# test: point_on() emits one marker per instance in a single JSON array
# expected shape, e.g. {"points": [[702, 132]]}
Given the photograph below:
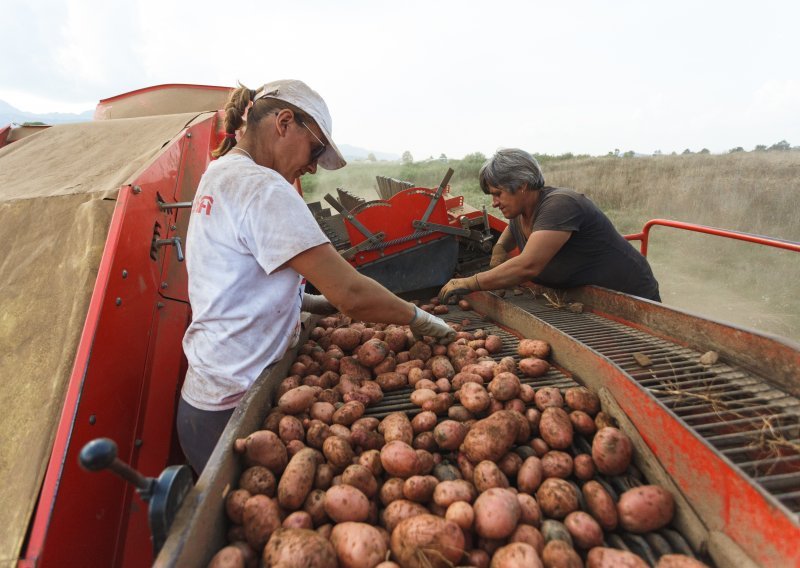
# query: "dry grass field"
{"points": [[754, 192]]}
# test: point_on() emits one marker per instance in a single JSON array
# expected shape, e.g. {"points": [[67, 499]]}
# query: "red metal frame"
{"points": [[126, 374], [644, 235], [161, 88]]}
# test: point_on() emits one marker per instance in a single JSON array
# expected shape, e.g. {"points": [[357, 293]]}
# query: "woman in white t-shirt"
{"points": [[251, 245]]}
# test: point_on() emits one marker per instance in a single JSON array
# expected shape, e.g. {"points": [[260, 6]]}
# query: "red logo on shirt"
{"points": [[204, 204]]}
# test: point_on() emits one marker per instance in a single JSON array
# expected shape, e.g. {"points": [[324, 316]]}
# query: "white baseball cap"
{"points": [[308, 100]]}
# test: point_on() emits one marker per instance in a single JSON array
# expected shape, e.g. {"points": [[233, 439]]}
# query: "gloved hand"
{"points": [[317, 305], [499, 256], [459, 287], [424, 323]]}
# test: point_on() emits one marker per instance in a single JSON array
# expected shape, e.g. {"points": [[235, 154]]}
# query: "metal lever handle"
{"points": [[178, 205], [101, 453], [437, 195], [173, 241]]}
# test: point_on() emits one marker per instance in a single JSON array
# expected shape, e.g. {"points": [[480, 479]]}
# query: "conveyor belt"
{"points": [[752, 423]]}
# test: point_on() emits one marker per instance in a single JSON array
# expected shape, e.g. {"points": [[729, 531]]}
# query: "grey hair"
{"points": [[511, 169]]}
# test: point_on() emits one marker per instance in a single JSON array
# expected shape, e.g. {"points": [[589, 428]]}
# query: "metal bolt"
{"points": [[124, 273], [92, 419], [138, 442], [164, 285], [160, 305], [173, 227], [137, 189], [188, 135], [118, 301]]}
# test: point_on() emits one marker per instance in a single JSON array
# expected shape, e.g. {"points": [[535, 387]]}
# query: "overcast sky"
{"points": [[435, 77]]}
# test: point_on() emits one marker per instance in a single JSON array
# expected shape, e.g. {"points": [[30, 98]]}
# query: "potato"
{"points": [[446, 471], [497, 512], [585, 531], [372, 353], [299, 547], [298, 479], [315, 507], [399, 510], [346, 503], [420, 350], [645, 509], [603, 420], [324, 476], [516, 554], [557, 498], [584, 467], [461, 513], [530, 475], [539, 446], [600, 504], [396, 339], [533, 367], [679, 561], [449, 434], [459, 413], [405, 367], [420, 396], [350, 366], [231, 556], [322, 411], [448, 492], [264, 448], [558, 553], [611, 451], [439, 404], [492, 437], [399, 459], [419, 488], [529, 535], [488, 475], [346, 338], [391, 381], [234, 504], [397, 426], [297, 400], [386, 366], [424, 441], [349, 413], [509, 464], [548, 396], [464, 305], [533, 348], [484, 369], [358, 545], [290, 428], [338, 452], [557, 464], [530, 513], [493, 344], [260, 517], [367, 440], [601, 557], [555, 428], [442, 368], [554, 530], [257, 480], [504, 386], [369, 423], [298, 520], [581, 398], [361, 478], [427, 541], [474, 397], [582, 423]]}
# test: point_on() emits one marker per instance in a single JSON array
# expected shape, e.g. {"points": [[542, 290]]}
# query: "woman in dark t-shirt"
{"points": [[564, 239]]}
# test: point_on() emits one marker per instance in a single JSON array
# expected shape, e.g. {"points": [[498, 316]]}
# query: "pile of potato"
{"points": [[481, 476]]}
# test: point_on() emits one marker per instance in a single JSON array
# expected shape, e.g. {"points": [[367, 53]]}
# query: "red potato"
{"points": [[290, 428], [603, 420], [258, 480], [555, 428], [556, 498], [492, 437], [581, 398], [600, 504], [232, 556], [423, 422], [558, 553], [234, 504], [527, 394], [611, 451], [420, 350], [497, 512], [399, 510], [510, 464], [516, 554], [324, 476], [391, 490], [420, 396], [400, 459], [459, 414], [533, 348], [396, 339], [529, 535], [584, 467], [299, 547], [338, 452], [487, 475], [539, 446], [419, 488], [264, 448], [582, 423], [315, 507], [601, 557], [463, 377], [386, 366], [261, 517], [392, 381], [557, 464], [439, 404], [372, 353], [346, 338], [371, 459], [645, 509], [493, 344], [322, 411], [585, 531], [533, 367], [449, 434], [448, 492], [504, 386], [358, 545], [548, 396], [298, 520], [350, 366], [361, 478], [461, 513], [297, 400], [679, 561], [530, 513], [397, 426], [530, 475], [405, 367], [442, 368], [424, 441], [474, 397], [427, 541], [293, 447], [439, 310], [346, 503], [464, 305], [298, 479]]}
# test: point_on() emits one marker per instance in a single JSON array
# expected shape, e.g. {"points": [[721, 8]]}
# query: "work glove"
{"points": [[424, 323], [499, 256], [458, 287], [317, 305]]}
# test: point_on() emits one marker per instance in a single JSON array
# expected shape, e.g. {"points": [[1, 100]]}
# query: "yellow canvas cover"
{"points": [[57, 194]]}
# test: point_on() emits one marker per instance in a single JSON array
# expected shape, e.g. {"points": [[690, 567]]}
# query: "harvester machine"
{"points": [[95, 305]]}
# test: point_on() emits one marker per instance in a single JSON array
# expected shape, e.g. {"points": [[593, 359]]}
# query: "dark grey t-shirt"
{"points": [[595, 253]]}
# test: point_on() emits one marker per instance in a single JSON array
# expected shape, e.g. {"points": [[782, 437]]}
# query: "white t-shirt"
{"points": [[246, 222]]}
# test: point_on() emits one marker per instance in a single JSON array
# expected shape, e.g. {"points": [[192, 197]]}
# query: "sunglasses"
{"points": [[317, 152]]}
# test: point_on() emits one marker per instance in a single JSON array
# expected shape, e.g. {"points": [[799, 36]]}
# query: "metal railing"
{"points": [[644, 235]]}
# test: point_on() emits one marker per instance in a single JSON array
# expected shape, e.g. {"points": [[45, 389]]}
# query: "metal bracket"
{"points": [[164, 206], [176, 241], [435, 199]]}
